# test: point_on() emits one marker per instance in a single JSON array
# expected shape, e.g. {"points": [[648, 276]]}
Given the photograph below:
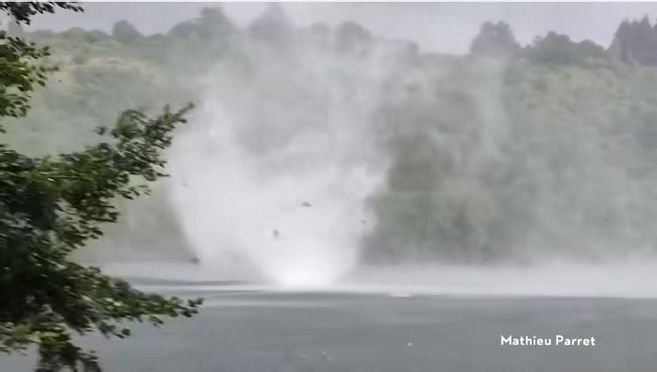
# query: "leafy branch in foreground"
{"points": [[23, 11], [51, 206]]}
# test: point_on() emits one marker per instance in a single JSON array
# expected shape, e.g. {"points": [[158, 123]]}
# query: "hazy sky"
{"points": [[441, 27]]}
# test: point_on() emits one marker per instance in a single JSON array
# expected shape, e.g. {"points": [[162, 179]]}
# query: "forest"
{"points": [[506, 153]]}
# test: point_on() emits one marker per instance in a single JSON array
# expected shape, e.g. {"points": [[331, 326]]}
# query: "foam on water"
{"points": [[623, 280]]}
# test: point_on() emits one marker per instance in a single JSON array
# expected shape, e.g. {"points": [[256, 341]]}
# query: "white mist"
{"points": [[278, 163]]}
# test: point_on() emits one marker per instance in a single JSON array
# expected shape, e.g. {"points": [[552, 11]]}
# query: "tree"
{"points": [[495, 40], [51, 206], [620, 46], [207, 37], [125, 32], [635, 42], [272, 26], [559, 49], [212, 24]]}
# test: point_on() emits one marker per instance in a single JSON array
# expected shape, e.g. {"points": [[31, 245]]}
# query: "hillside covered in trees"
{"points": [[509, 152]]}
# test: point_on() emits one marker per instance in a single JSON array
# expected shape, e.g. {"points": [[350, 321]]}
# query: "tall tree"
{"points": [[635, 42], [51, 206], [495, 40]]}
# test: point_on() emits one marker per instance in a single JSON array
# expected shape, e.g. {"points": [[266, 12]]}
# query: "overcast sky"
{"points": [[440, 27]]}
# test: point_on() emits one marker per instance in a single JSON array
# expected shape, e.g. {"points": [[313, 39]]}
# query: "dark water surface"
{"points": [[244, 331]]}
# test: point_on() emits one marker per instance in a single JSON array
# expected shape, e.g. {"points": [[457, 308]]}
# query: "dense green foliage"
{"points": [[485, 149], [51, 206]]}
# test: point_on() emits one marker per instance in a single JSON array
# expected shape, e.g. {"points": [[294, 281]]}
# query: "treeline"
{"points": [[209, 36], [497, 40], [191, 45], [634, 42], [532, 151]]}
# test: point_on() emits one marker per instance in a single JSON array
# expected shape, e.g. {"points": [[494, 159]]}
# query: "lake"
{"points": [[242, 330]]}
